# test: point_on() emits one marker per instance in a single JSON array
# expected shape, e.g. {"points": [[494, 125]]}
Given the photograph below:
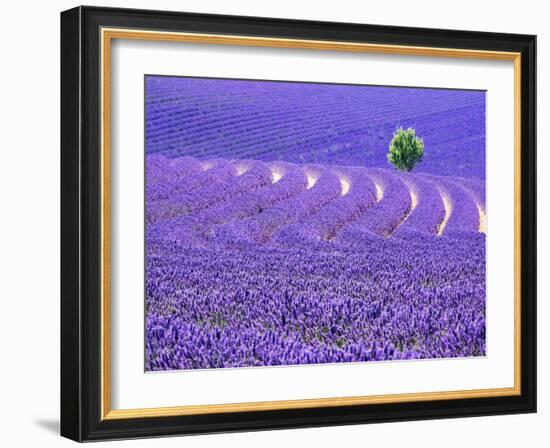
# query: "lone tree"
{"points": [[406, 149]]}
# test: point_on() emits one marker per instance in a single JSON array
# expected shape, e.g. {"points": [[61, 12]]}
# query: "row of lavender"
{"points": [[252, 263], [229, 203], [313, 123]]}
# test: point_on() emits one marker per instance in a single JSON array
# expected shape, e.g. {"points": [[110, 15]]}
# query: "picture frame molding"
{"points": [[86, 34]]}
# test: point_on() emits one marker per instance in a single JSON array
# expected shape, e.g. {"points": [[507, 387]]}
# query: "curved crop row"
{"points": [[196, 227], [230, 202], [358, 193], [323, 187], [388, 213], [242, 177], [161, 198], [428, 213], [164, 175], [464, 214], [475, 187]]}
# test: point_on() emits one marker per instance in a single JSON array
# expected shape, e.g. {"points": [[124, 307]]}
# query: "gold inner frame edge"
{"points": [[106, 36]]}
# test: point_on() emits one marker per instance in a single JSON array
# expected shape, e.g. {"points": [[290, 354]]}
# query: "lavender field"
{"points": [[277, 232]]}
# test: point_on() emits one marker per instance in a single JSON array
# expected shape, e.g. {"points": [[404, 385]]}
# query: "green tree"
{"points": [[406, 149]]}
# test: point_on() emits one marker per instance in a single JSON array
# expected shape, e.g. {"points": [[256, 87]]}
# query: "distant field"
{"points": [[277, 233], [313, 123]]}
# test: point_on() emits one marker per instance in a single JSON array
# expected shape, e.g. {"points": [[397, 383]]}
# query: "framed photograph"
{"points": [[273, 223]]}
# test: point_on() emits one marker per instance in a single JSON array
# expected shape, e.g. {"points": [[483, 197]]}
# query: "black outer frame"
{"points": [[80, 224]]}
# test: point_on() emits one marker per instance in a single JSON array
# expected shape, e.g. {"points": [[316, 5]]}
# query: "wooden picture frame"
{"points": [[86, 37]]}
